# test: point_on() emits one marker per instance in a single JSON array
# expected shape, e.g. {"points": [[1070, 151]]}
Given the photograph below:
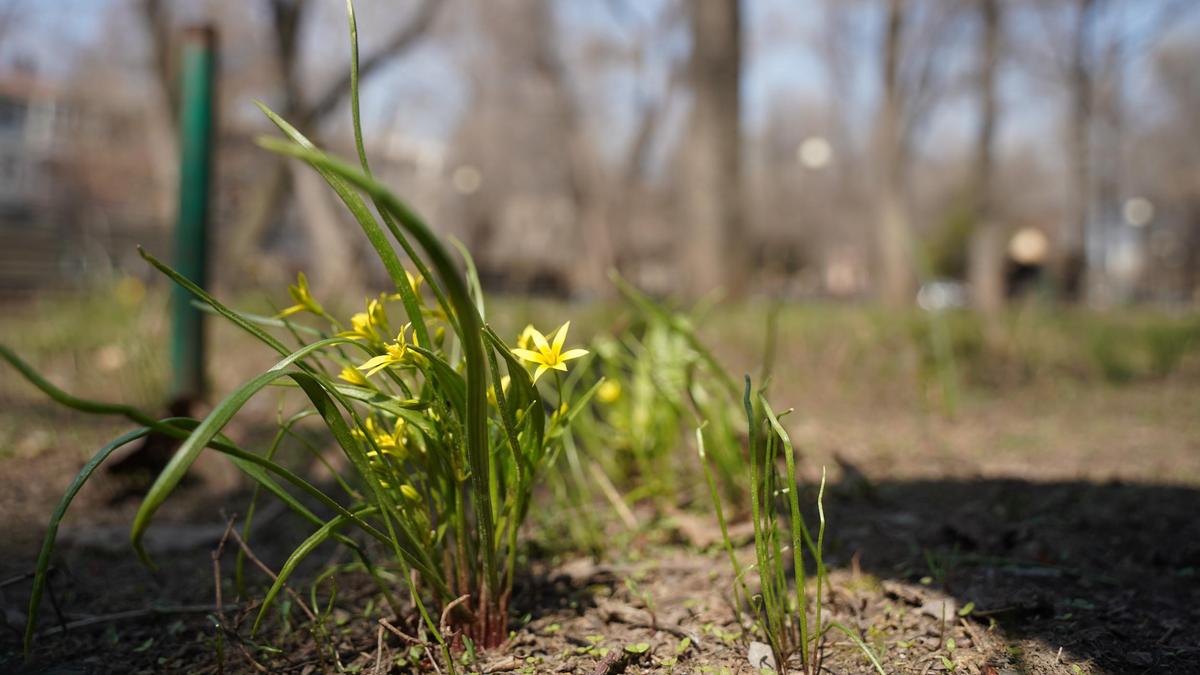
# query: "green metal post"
{"points": [[196, 121]]}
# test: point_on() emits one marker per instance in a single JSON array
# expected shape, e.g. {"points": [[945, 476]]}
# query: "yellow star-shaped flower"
{"points": [[548, 356], [395, 353], [368, 325], [304, 299], [391, 443], [353, 376]]}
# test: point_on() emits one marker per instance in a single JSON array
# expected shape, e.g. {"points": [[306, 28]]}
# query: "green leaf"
{"points": [[358, 208], [205, 433], [60, 511], [639, 648], [209, 300], [311, 543], [472, 275], [862, 646], [448, 380]]}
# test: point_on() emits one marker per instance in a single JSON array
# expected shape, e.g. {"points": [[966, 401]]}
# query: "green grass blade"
{"points": [[366, 220], [523, 391], [260, 320], [43, 560], [203, 436], [858, 642], [360, 148], [678, 325], [739, 579], [797, 524], [253, 465], [209, 300], [300, 553], [452, 384], [75, 403], [578, 406], [472, 275], [355, 114], [469, 327]]}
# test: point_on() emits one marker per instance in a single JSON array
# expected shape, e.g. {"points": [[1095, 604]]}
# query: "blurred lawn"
{"points": [[1042, 394]]}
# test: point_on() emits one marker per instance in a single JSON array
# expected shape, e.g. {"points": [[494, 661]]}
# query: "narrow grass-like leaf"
{"points": [[299, 554], [75, 403], [260, 320], [209, 300], [863, 646], [677, 324], [253, 465], [469, 326], [453, 385], [797, 524], [366, 220], [472, 275], [360, 148], [739, 579], [203, 436], [524, 391], [60, 511]]}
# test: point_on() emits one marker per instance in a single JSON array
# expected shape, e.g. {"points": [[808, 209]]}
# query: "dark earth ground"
{"points": [[1062, 514]]}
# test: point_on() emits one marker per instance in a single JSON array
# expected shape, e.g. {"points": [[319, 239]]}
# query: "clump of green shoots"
{"points": [[793, 626], [659, 380], [446, 429]]}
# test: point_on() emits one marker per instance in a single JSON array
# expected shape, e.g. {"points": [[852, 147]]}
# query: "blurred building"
{"points": [[32, 124], [72, 186]]}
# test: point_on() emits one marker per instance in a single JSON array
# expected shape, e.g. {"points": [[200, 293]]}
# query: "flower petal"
{"points": [[532, 357], [538, 373], [378, 368], [374, 362], [560, 337], [539, 340], [572, 354]]}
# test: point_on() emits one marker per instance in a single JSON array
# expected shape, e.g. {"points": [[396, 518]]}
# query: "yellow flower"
{"points": [[369, 325], [526, 337], [389, 443], [304, 299], [609, 391], [394, 443], [410, 492], [414, 282], [395, 353], [353, 376], [548, 356]]}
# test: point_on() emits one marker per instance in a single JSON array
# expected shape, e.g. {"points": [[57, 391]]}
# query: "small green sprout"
{"points": [[638, 648]]}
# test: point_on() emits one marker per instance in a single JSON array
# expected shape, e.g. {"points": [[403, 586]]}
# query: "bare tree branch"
{"points": [[405, 37], [157, 20]]}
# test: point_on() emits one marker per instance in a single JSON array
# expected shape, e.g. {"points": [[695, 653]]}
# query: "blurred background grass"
{"points": [[1042, 392]]}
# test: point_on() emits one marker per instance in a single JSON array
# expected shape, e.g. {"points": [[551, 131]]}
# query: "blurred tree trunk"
{"points": [[985, 265], [163, 114], [1070, 258], [897, 280], [713, 253], [587, 181]]}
